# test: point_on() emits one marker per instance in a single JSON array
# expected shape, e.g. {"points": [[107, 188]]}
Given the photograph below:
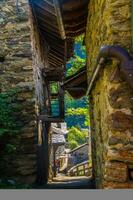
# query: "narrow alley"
{"points": [[66, 94], [64, 182]]}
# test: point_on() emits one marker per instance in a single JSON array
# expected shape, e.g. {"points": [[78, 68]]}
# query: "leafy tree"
{"points": [[8, 108], [76, 137], [76, 63], [9, 125], [71, 118], [77, 110], [80, 112], [73, 144], [79, 59]]}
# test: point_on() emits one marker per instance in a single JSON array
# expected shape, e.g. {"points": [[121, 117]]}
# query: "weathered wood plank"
{"points": [[59, 19]]}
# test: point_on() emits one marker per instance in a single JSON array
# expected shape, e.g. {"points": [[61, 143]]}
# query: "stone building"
{"points": [[59, 134], [16, 75], [109, 23], [58, 145], [46, 46]]}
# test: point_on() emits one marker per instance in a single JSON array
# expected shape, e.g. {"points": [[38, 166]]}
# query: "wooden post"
{"points": [[42, 153], [84, 169], [54, 157], [77, 172], [61, 101], [43, 137]]}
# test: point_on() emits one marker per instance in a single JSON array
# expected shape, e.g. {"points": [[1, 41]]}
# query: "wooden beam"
{"points": [[75, 88], [55, 57], [45, 8], [48, 2], [56, 75], [75, 34], [56, 51], [46, 118], [59, 19], [48, 28], [52, 40], [46, 21], [72, 5], [75, 14], [76, 31], [44, 13], [55, 43], [74, 24], [45, 31], [76, 28], [54, 64], [75, 20]]}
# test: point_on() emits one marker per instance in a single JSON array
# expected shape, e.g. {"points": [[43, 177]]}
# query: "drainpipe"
{"points": [[125, 66]]}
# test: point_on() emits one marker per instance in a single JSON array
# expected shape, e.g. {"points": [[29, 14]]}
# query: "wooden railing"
{"points": [[82, 169]]}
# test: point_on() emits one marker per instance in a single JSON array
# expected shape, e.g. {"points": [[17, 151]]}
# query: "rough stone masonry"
{"points": [[109, 22], [16, 73]]}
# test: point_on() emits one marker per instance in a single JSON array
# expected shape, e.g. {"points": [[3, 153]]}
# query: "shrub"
{"points": [[8, 108], [76, 137], [9, 125]]}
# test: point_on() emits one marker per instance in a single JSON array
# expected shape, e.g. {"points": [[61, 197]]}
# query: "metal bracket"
{"points": [[110, 52]]}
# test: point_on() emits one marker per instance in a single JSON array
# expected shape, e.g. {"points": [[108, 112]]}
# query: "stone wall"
{"points": [[111, 99], [16, 73], [108, 23]]}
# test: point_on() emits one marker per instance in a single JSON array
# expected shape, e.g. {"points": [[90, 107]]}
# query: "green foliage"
{"points": [[79, 59], [54, 87], [77, 109], [80, 112], [8, 108], [9, 148], [72, 118], [76, 64], [76, 137], [73, 144], [79, 39]]}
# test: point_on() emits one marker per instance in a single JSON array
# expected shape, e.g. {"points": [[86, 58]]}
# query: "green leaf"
{"points": [[76, 137]]}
